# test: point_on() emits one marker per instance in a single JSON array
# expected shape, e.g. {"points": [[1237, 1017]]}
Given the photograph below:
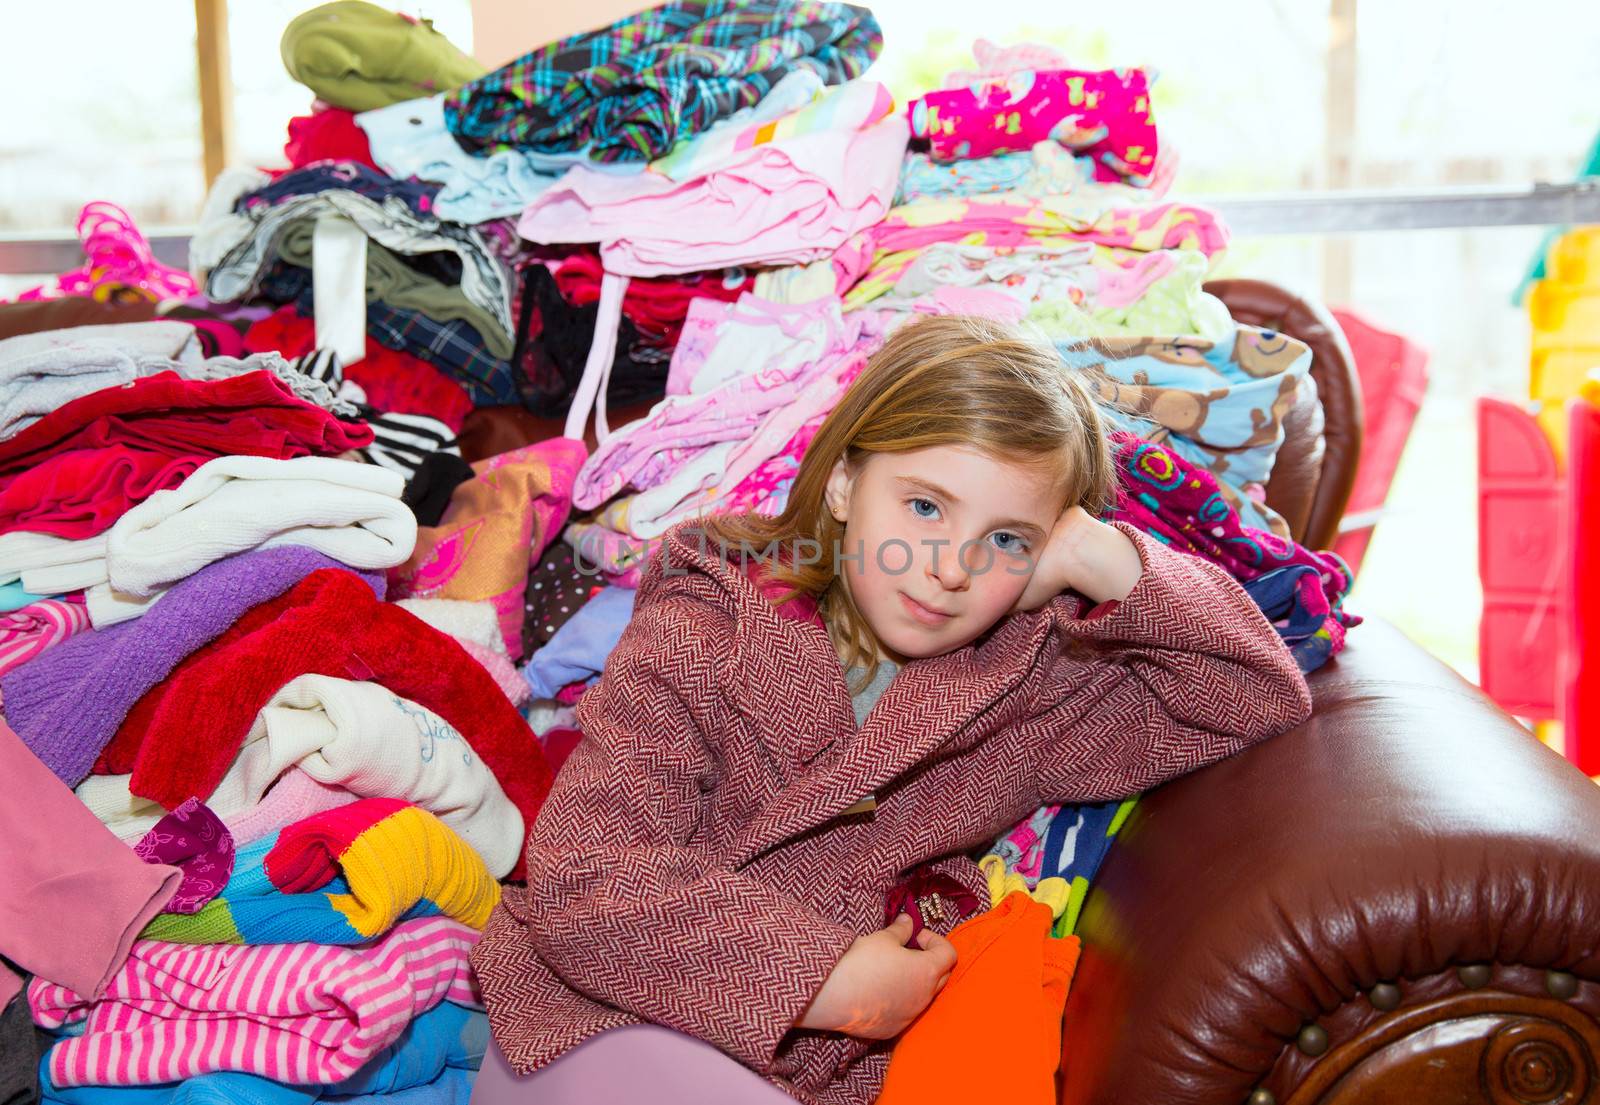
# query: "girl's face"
{"points": [[939, 542]]}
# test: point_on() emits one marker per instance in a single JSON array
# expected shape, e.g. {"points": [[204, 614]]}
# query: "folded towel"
{"points": [[351, 512]]}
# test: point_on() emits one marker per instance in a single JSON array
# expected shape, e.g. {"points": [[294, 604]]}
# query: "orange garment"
{"points": [[1004, 999]]}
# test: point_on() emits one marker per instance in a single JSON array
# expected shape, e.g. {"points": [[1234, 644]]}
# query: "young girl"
{"points": [[933, 639]]}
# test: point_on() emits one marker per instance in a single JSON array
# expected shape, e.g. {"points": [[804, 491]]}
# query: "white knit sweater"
{"points": [[358, 736]]}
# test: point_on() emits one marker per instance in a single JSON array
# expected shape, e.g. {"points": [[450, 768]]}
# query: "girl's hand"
{"points": [[879, 985], [1085, 554]]}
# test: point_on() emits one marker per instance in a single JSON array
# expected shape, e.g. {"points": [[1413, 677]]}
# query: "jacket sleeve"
{"points": [[1183, 672], [623, 903]]}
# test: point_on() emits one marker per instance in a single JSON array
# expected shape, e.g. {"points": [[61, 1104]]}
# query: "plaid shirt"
{"points": [[632, 90], [454, 347]]}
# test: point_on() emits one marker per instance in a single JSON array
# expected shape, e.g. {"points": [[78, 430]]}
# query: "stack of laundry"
{"points": [[296, 798], [305, 557]]}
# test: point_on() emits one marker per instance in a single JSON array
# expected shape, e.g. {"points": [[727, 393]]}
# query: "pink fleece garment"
{"points": [[788, 202], [67, 914]]}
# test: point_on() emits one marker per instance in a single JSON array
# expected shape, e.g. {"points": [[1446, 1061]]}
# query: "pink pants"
{"points": [[637, 1063]]}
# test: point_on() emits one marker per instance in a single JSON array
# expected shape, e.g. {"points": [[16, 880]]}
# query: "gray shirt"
{"points": [[869, 695]]}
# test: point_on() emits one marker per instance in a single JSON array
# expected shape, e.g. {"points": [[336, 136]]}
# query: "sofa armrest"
{"points": [[1397, 901]]}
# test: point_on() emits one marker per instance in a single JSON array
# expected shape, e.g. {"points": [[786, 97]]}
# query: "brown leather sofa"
{"points": [[1397, 902]]}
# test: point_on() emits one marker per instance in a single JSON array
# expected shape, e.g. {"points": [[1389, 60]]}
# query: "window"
{"points": [[1423, 94]]}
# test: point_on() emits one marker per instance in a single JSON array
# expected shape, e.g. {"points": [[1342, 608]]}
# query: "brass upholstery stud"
{"points": [[1560, 985], [1475, 977], [1262, 1097], [1313, 1040], [1384, 996]]}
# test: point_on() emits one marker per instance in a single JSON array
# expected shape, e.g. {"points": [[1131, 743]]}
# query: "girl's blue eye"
{"points": [[1009, 542], [917, 506]]}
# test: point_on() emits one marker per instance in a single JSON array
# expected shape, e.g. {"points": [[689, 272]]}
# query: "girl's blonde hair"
{"points": [[947, 380]]}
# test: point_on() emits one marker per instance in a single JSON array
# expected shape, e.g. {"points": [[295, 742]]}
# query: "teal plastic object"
{"points": [[1591, 168]]}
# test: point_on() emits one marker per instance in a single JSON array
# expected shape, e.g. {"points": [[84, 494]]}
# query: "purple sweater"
{"points": [[68, 702]]}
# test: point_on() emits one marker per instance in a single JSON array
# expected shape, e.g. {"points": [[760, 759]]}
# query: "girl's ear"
{"points": [[838, 491]]}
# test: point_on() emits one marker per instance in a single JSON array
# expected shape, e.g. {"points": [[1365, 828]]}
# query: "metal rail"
{"points": [[1248, 216]]}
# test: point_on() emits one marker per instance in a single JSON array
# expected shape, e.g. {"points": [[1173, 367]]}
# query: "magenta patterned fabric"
{"points": [[1102, 113], [196, 842], [1179, 504]]}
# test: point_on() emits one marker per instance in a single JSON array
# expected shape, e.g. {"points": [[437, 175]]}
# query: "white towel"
{"points": [[477, 622], [359, 736], [49, 565], [350, 511]]}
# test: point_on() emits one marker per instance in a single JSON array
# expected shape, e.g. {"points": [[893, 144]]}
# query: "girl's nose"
{"points": [[946, 568]]}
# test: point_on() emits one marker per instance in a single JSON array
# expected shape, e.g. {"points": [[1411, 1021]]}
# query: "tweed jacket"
{"points": [[693, 865]]}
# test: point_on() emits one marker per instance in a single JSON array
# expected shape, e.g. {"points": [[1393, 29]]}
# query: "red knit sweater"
{"points": [[180, 738]]}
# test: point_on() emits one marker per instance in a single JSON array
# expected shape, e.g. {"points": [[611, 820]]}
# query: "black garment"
{"points": [[556, 589], [21, 1048], [430, 489], [553, 340]]}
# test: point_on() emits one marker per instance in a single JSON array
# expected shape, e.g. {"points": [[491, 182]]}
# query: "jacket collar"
{"points": [[824, 763]]}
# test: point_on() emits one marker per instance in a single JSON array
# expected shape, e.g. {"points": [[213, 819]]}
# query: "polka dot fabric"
{"points": [[556, 589]]}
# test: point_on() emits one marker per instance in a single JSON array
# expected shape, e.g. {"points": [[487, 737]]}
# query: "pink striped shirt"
{"points": [[40, 625], [295, 1013]]}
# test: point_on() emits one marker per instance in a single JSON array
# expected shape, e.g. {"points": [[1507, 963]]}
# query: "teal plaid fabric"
{"points": [[631, 91]]}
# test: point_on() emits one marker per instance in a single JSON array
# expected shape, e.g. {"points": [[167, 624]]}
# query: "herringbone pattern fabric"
{"points": [[691, 868]]}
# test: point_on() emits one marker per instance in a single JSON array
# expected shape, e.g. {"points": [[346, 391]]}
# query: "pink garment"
{"points": [[981, 302], [295, 1013], [629, 578], [28, 631], [194, 840], [786, 202], [695, 342], [999, 62], [68, 914], [294, 797], [1005, 221], [1104, 114], [600, 547], [780, 366], [500, 670], [874, 261], [757, 489], [634, 1063], [1026, 842], [119, 256]]}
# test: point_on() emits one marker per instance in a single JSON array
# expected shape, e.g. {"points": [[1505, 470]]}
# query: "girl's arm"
{"points": [[621, 903], [1182, 671]]}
